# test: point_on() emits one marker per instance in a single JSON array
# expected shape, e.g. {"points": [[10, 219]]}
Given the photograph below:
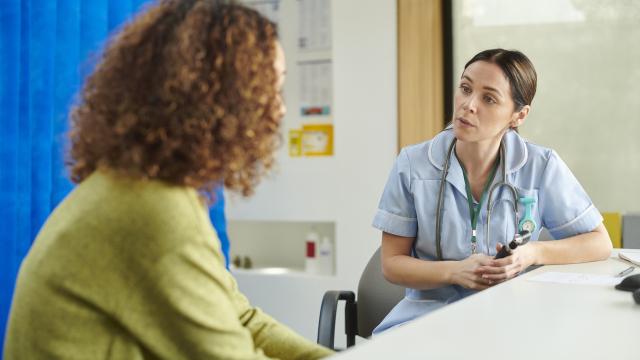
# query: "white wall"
{"points": [[345, 188]]}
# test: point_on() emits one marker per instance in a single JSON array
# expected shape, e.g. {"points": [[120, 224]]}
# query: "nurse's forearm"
{"points": [[418, 274], [591, 246], [399, 267]]}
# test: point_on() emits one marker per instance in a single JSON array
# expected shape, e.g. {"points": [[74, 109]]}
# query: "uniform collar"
{"points": [[515, 149]]}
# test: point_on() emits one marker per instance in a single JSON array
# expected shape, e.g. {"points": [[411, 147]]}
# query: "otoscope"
{"points": [[520, 238]]}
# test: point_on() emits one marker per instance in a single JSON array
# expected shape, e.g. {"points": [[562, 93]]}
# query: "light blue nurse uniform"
{"points": [[409, 201]]}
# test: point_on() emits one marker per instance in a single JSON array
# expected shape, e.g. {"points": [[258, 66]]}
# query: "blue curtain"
{"points": [[46, 48]]}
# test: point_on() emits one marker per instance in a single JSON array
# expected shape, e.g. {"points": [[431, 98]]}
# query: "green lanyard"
{"points": [[474, 210]]}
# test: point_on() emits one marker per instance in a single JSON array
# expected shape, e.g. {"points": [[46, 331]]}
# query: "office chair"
{"points": [[376, 297], [631, 231]]}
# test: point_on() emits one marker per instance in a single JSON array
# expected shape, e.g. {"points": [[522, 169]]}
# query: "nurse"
{"points": [[493, 98]]}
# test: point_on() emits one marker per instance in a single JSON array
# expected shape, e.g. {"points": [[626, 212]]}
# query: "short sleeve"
{"points": [[396, 212], [565, 208]]}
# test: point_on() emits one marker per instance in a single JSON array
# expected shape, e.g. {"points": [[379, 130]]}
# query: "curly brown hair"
{"points": [[185, 93]]}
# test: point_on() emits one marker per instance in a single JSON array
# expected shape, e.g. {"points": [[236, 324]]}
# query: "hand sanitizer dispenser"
{"points": [[311, 259]]}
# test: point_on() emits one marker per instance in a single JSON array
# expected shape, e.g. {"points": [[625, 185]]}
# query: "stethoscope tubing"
{"points": [[503, 182]]}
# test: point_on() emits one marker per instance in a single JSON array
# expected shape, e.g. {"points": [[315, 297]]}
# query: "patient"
{"points": [[184, 98]]}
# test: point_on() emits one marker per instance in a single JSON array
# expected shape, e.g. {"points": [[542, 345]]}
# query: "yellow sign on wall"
{"points": [[311, 140], [317, 140], [295, 142]]}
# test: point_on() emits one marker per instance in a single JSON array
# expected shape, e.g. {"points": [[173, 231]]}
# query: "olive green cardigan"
{"points": [[127, 269]]}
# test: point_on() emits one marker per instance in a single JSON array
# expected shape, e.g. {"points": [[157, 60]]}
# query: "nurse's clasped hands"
{"points": [[467, 272], [480, 271], [499, 270]]}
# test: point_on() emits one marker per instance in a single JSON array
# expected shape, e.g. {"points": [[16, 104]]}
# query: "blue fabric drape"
{"points": [[46, 47], [216, 213]]}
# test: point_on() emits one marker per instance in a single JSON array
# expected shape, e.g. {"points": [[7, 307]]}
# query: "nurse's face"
{"points": [[483, 106]]}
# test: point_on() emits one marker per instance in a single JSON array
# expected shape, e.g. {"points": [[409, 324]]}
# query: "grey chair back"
{"points": [[376, 296], [545, 235], [631, 231]]}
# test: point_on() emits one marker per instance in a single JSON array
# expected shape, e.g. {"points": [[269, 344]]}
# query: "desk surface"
{"points": [[522, 319]]}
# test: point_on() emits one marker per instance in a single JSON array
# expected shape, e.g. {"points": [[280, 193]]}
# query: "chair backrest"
{"points": [[545, 235], [376, 296], [631, 231]]}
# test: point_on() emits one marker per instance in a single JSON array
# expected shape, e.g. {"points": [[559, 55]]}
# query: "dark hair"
{"points": [[186, 93], [517, 68]]}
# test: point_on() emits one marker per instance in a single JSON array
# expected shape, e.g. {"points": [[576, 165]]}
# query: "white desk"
{"points": [[522, 319]]}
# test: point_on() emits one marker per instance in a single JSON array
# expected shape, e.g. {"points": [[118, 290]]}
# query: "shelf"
{"points": [[278, 271], [276, 247]]}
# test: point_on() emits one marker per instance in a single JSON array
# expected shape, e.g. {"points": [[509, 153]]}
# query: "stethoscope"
{"points": [[525, 227]]}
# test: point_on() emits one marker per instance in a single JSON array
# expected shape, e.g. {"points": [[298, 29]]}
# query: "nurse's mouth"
{"points": [[464, 122]]}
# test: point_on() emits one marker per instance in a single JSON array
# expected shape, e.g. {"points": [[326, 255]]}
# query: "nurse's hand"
{"points": [[467, 274], [508, 267]]}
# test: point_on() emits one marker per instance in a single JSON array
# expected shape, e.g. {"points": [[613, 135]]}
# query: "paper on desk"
{"points": [[632, 257], [576, 278]]}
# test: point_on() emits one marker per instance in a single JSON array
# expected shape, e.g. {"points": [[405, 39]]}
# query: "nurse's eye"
{"points": [[465, 89], [489, 100]]}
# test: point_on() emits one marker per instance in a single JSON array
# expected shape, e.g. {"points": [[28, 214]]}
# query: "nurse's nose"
{"points": [[470, 104]]}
